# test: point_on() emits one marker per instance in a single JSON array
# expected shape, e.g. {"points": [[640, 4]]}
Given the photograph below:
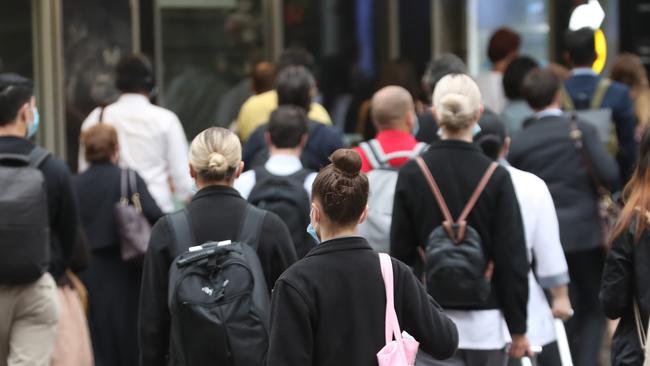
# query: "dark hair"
{"points": [[99, 141], [341, 188], [629, 70], [514, 76], [263, 76], [492, 136], [294, 86], [134, 74], [540, 87], [637, 195], [441, 66], [503, 42], [287, 125], [581, 46], [15, 91], [296, 56]]}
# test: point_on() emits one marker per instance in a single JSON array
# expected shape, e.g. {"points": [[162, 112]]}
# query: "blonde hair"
{"points": [[457, 100], [215, 154]]}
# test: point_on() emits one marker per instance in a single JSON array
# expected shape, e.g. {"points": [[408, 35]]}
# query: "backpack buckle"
{"points": [[455, 231]]}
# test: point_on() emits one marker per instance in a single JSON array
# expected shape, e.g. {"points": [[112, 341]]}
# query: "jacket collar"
{"points": [[339, 245], [216, 190]]}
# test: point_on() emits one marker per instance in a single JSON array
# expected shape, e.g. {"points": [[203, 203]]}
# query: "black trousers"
{"points": [[585, 329]]}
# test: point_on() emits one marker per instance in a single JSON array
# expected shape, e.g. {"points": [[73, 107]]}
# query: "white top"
{"points": [[282, 165], [543, 243], [492, 94], [152, 142], [480, 329]]}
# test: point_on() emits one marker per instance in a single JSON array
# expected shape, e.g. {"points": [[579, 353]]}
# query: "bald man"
{"points": [[393, 114]]}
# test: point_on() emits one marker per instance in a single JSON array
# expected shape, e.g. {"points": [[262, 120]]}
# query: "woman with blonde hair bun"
{"points": [[456, 169], [216, 213]]}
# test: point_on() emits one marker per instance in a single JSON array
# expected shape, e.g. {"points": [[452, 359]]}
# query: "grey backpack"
{"points": [[24, 222], [382, 179]]}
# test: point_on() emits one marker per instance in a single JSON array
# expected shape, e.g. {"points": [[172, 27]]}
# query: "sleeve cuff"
{"points": [[554, 281]]}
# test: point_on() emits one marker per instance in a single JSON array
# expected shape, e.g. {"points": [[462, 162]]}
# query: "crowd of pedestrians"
{"points": [[502, 201]]}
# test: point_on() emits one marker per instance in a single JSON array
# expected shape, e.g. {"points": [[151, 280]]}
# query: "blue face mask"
{"points": [[33, 127], [476, 130], [416, 125], [312, 232]]}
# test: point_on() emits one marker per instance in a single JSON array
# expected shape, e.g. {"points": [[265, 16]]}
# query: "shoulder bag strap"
{"points": [[462, 219], [565, 97], [100, 119], [182, 231], [599, 94], [38, 156], [250, 230], [135, 194], [641, 331], [124, 188], [447, 223], [576, 136], [392, 323]]}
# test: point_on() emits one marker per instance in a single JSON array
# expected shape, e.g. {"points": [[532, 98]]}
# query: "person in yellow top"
{"points": [[257, 109]]}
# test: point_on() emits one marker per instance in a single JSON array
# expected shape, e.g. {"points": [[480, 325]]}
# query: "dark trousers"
{"points": [[585, 329]]}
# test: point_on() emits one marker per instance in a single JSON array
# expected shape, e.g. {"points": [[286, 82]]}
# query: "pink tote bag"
{"points": [[399, 351]]}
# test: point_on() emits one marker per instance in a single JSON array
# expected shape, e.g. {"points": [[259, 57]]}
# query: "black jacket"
{"points": [[215, 215], [329, 309], [61, 202], [321, 143], [546, 149], [98, 190], [625, 278], [457, 167]]}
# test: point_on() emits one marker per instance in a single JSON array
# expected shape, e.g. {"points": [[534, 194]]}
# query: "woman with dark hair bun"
{"points": [[329, 308]]}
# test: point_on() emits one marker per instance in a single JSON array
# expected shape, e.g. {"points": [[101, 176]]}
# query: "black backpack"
{"points": [[457, 272], [24, 221], [286, 197], [218, 298]]}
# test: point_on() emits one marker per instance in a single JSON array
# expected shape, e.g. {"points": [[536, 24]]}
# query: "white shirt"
{"points": [[282, 165], [152, 142], [543, 243], [492, 94], [480, 329], [549, 112]]}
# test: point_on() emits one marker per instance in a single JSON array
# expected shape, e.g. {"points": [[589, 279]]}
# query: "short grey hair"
{"points": [[443, 65]]}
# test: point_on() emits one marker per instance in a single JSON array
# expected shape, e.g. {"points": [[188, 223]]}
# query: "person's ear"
{"points": [[506, 147], [192, 172], [267, 139], [303, 141], [315, 213], [364, 215], [239, 170], [480, 111], [567, 58], [25, 113]]}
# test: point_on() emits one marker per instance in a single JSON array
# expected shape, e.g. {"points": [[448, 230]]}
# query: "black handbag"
{"points": [[133, 227]]}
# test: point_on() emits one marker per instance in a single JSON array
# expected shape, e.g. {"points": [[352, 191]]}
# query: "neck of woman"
{"points": [[328, 233]]}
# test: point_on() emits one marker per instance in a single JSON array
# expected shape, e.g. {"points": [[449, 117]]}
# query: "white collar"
{"points": [[283, 164], [554, 112], [133, 98], [583, 71]]}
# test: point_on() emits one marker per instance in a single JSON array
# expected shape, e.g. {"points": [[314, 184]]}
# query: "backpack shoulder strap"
{"points": [[371, 154], [565, 97], [447, 224], [182, 230], [38, 156], [599, 94], [250, 229], [420, 148], [301, 175], [261, 173], [477, 192]]}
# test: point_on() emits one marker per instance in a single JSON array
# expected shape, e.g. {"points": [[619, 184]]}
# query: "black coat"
{"points": [[329, 309], [545, 149], [457, 167], [98, 190], [215, 213], [61, 204], [625, 278]]}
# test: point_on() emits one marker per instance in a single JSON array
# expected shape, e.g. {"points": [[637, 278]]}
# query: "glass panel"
{"points": [[207, 49], [528, 17], [16, 34], [97, 34]]}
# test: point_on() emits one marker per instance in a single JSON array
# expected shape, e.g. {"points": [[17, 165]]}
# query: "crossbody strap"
{"points": [[449, 221], [392, 327], [576, 136], [599, 94]]}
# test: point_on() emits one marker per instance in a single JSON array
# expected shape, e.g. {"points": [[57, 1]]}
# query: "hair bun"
{"points": [[347, 161], [217, 163]]}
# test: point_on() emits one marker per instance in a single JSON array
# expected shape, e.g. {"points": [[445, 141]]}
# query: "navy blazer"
{"points": [[582, 87], [322, 142]]}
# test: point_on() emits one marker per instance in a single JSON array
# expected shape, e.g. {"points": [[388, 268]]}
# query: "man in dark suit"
{"points": [[582, 85], [546, 148]]}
